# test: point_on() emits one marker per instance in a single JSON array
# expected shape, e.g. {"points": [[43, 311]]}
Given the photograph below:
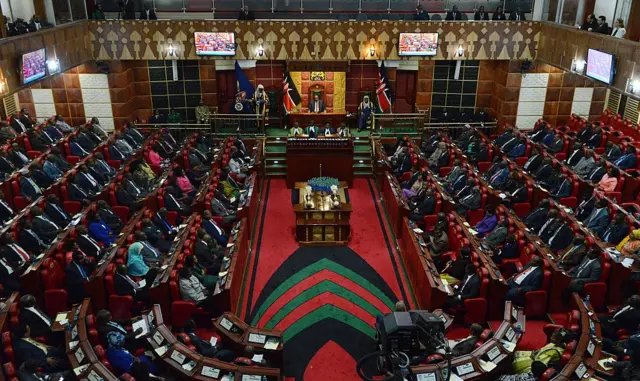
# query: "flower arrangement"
{"points": [[323, 184]]}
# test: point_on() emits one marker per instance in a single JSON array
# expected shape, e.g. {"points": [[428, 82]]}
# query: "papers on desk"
{"points": [[473, 231], [213, 340], [257, 358], [222, 274], [158, 338], [208, 371], [61, 316], [257, 338], [239, 209], [272, 344], [73, 344], [502, 196], [142, 283], [142, 323], [418, 230], [74, 332], [164, 267], [466, 224], [627, 262], [232, 200], [509, 346], [178, 357], [604, 361], [189, 366], [493, 353], [79, 370], [160, 351], [487, 366]]}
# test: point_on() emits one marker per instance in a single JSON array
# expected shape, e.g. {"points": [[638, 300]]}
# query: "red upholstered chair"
{"points": [[55, 295], [121, 306], [476, 308], [10, 372], [9, 355], [548, 374], [484, 166], [598, 290], [536, 301], [186, 340], [127, 377], [101, 354]]}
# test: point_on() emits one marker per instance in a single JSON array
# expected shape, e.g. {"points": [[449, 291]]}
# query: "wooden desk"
{"points": [[305, 157], [396, 206], [229, 285], [319, 118]]}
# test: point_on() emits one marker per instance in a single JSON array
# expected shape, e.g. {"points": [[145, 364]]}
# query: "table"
{"points": [[227, 292], [323, 227], [330, 157], [319, 118]]}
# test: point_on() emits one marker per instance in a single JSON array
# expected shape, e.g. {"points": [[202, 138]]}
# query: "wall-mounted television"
{"points": [[33, 66], [600, 66], [215, 43], [418, 44]]}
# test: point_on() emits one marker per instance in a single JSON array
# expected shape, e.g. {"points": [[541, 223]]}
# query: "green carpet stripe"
{"points": [[325, 312], [312, 269], [319, 288]]}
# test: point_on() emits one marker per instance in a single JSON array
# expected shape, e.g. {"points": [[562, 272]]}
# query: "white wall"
{"points": [[22, 9], [43, 101], [533, 93], [97, 99], [606, 8]]}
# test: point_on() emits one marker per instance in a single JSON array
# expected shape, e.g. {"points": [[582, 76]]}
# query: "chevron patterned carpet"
{"points": [[324, 299]]}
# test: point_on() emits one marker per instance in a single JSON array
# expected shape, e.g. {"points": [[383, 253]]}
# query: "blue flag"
{"points": [[242, 83]]}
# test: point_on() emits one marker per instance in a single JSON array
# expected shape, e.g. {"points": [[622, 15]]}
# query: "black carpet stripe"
{"points": [[257, 256], [308, 255], [388, 243]]}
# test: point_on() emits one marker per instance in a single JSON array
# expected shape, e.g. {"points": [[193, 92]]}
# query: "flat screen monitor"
{"points": [[215, 43], [34, 66], [418, 44], [600, 66]]}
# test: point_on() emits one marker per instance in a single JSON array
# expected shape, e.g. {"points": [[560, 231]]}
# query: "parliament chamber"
{"points": [[328, 190]]}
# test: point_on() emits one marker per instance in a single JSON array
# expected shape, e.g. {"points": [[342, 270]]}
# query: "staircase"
{"points": [[362, 156], [276, 153]]}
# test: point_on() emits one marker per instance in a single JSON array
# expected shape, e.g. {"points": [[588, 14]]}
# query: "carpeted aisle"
{"points": [[325, 299]]}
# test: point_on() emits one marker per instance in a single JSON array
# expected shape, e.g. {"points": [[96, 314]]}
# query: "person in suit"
{"points": [[212, 228], [6, 132], [518, 149], [100, 231], [6, 166], [576, 155], [499, 15], [598, 221], [18, 156], [533, 162], [204, 347], [327, 130], [455, 172], [148, 13], [26, 119], [481, 15], [34, 317], [437, 244], [498, 235], [545, 169], [612, 151], [55, 212], [591, 24], [124, 285], [499, 177], [454, 270], [17, 124], [219, 209], [538, 216], [150, 255], [469, 288], [50, 359], [88, 244], [316, 105], [561, 238], [36, 139], [556, 145], [295, 131], [312, 130], [51, 170], [86, 181], [509, 249], [43, 226], [59, 160], [107, 214], [77, 273], [209, 256], [9, 277], [454, 14], [192, 290], [529, 279], [246, 14], [75, 192], [617, 230], [6, 212], [161, 221], [76, 148], [157, 118], [15, 255], [154, 236], [597, 172], [517, 15], [424, 207], [472, 201], [586, 164], [624, 317], [173, 204], [574, 254], [588, 271], [468, 344], [562, 188], [29, 240], [116, 154], [602, 27], [38, 175], [595, 139], [628, 159]]}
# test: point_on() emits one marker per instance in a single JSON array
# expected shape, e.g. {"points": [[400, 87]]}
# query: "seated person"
{"points": [[629, 246], [437, 244], [533, 162], [161, 221], [106, 324], [192, 290], [616, 231], [464, 188], [9, 278], [468, 344], [46, 229], [209, 255], [136, 265], [518, 149], [548, 355], [424, 207], [595, 139], [124, 198], [55, 212], [77, 273], [544, 170], [29, 371], [556, 145], [588, 271], [499, 177], [154, 236], [132, 188], [6, 212], [236, 165], [88, 244], [468, 288], [100, 231], [529, 279], [296, 131], [150, 255], [121, 359], [200, 272], [612, 151], [585, 132], [29, 189], [509, 249], [327, 130], [586, 164], [183, 182], [87, 181], [172, 204], [62, 125], [102, 166], [212, 228], [15, 255], [455, 270], [562, 189], [625, 317], [124, 285], [456, 171], [574, 254], [440, 157], [473, 201], [51, 169], [505, 136], [498, 235], [50, 359], [76, 148], [29, 240], [107, 215], [628, 159], [598, 221], [218, 209], [204, 347], [34, 317], [609, 180], [538, 217], [416, 188], [75, 191], [488, 222]]}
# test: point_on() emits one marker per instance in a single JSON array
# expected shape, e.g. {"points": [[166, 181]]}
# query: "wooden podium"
{"points": [[323, 227], [306, 156]]}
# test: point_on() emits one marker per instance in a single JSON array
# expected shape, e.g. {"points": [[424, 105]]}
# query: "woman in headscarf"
{"points": [[366, 109], [631, 244], [435, 156], [121, 359], [135, 261]]}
